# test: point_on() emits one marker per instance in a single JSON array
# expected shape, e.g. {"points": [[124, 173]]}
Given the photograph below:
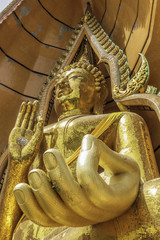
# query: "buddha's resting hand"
{"points": [[92, 199], [26, 136]]}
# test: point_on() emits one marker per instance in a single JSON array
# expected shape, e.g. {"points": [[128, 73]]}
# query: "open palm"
{"points": [[26, 136]]}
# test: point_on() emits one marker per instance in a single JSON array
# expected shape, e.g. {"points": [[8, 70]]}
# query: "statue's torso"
{"points": [[139, 222]]}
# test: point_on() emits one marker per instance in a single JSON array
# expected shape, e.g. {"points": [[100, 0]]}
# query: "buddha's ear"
{"points": [[100, 98], [98, 106], [104, 92]]}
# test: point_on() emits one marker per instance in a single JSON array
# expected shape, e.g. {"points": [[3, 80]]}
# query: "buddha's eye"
{"points": [[75, 77]]}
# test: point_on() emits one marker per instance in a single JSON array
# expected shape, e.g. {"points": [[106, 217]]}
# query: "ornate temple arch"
{"points": [[125, 91]]}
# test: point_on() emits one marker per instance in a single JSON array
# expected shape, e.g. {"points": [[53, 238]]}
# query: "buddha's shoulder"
{"points": [[49, 128]]}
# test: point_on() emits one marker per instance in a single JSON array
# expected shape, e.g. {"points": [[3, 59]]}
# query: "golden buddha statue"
{"points": [[108, 191]]}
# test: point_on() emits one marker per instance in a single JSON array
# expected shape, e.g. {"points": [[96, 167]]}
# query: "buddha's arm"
{"points": [[133, 139], [23, 146]]}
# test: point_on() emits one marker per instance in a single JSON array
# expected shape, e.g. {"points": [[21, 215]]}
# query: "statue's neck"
{"points": [[72, 113]]}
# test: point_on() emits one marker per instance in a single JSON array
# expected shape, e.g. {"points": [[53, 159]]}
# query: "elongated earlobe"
{"points": [[98, 107]]}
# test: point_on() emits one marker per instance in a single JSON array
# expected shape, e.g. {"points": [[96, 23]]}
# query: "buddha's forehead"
{"points": [[80, 71], [75, 72]]}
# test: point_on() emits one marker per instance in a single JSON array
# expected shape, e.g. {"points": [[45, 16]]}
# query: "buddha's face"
{"points": [[75, 90]]}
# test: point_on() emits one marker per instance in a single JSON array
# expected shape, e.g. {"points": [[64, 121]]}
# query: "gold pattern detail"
{"points": [[151, 89], [136, 84]]}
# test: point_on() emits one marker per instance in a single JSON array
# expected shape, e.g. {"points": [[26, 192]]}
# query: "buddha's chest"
{"points": [[67, 136]]}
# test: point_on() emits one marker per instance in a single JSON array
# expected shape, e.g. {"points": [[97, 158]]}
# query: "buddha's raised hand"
{"points": [[92, 199], [23, 146], [26, 136]]}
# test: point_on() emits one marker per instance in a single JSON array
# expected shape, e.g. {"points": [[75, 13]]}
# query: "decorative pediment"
{"points": [[107, 52]]}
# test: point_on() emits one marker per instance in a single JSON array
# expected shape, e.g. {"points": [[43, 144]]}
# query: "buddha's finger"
{"points": [[21, 114], [33, 115], [27, 116], [69, 190], [50, 201], [28, 204], [114, 197], [88, 177]]}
